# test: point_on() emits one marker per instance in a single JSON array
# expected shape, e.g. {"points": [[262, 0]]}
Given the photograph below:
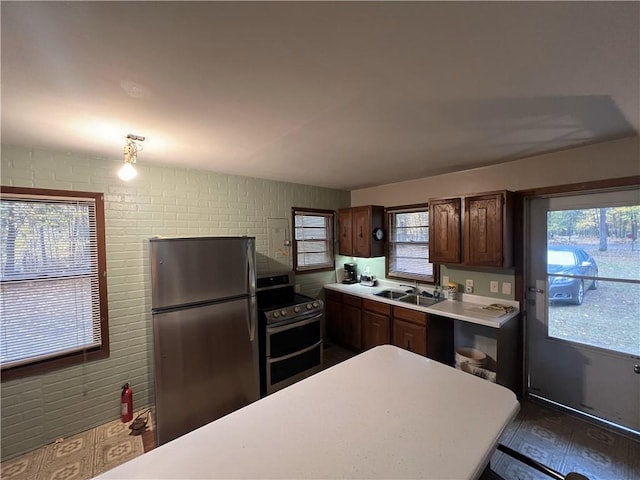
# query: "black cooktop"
{"points": [[279, 298], [278, 291]]}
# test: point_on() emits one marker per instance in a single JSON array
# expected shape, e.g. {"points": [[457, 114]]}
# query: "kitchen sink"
{"points": [[392, 294], [418, 300]]}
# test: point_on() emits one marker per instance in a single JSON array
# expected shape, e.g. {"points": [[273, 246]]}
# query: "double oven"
{"points": [[290, 332]]}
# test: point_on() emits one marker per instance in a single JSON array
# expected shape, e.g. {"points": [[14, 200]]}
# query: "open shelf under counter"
{"points": [[502, 346]]}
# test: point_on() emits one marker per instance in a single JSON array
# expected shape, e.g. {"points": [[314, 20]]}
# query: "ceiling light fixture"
{"points": [[131, 149]]}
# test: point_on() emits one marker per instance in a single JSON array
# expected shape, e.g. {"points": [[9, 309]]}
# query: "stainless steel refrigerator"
{"points": [[204, 330]]}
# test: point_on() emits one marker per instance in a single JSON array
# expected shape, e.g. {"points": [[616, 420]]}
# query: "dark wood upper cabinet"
{"points": [[345, 227], [356, 227], [487, 230], [444, 230], [480, 235]]}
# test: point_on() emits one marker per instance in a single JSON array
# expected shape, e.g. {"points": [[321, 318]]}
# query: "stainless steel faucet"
{"points": [[414, 288]]}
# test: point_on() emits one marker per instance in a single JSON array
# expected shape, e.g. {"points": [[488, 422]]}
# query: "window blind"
{"points": [[313, 234], [409, 244], [49, 278]]}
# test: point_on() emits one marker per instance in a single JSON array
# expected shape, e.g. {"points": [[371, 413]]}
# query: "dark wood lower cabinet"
{"points": [[360, 324], [376, 324], [333, 315], [440, 341], [410, 336], [352, 322]]}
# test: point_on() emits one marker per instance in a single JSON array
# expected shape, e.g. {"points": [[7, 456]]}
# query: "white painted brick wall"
{"points": [[160, 201]]}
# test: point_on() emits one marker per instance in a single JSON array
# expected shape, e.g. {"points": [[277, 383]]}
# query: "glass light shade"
{"points": [[127, 172]]}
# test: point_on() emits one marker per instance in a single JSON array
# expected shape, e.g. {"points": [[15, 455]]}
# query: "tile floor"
{"points": [[566, 443], [80, 456]]}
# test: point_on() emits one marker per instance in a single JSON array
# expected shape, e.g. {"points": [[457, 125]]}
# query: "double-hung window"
{"points": [[408, 244], [313, 239], [52, 280]]}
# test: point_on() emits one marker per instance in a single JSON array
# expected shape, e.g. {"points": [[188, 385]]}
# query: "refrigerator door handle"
{"points": [[253, 319], [251, 254]]}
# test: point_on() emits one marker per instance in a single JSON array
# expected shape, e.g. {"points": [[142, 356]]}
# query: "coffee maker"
{"points": [[350, 273]]}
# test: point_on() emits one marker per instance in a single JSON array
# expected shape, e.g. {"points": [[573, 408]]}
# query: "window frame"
{"points": [[73, 358], [389, 226], [295, 211]]}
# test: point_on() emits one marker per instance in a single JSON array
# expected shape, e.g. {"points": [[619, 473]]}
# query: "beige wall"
{"points": [[160, 201], [615, 159]]}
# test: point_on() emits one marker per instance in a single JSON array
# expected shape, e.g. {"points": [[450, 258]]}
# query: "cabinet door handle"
{"points": [[409, 345]]}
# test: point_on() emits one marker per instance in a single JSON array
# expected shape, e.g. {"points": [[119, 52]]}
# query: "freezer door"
{"points": [[206, 365], [185, 271]]}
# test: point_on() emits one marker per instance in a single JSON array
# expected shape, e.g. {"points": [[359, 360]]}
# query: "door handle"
{"points": [[535, 290], [253, 319]]}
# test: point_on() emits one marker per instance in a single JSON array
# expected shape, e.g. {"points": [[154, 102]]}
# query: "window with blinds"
{"points": [[408, 244], [50, 278], [313, 240]]}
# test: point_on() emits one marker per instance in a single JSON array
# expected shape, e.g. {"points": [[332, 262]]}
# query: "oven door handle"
{"points": [[294, 354], [293, 323]]}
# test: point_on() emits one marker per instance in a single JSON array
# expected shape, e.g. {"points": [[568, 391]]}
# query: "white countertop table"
{"points": [[386, 413]]}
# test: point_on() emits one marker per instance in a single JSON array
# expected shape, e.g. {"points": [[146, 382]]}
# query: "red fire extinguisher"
{"points": [[126, 403]]}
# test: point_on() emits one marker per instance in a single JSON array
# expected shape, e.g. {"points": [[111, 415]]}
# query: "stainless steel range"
{"points": [[290, 331]]}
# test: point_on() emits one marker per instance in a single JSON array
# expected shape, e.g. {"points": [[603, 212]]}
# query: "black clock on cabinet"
{"points": [[378, 234]]}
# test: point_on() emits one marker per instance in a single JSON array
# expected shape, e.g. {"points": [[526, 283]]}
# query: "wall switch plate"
{"points": [[493, 286], [445, 280], [506, 288], [468, 286]]}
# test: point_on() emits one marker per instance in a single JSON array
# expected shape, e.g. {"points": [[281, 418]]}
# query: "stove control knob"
{"points": [[283, 313], [276, 314], [315, 304], [296, 309], [309, 307]]}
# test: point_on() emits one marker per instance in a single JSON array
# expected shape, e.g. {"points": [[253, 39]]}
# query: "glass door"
{"points": [[583, 315]]}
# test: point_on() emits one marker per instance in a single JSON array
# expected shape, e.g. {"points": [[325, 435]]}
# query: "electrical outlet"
{"points": [[506, 288], [468, 286], [493, 286], [445, 280]]}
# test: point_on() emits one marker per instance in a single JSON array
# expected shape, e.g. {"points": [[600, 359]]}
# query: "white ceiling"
{"points": [[336, 94]]}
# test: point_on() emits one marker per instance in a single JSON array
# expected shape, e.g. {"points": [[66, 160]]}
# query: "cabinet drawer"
{"points": [[378, 307], [332, 295], [413, 316], [351, 300], [410, 336]]}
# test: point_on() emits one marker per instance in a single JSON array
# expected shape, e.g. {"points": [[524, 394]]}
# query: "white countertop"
{"points": [[469, 309], [386, 413]]}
